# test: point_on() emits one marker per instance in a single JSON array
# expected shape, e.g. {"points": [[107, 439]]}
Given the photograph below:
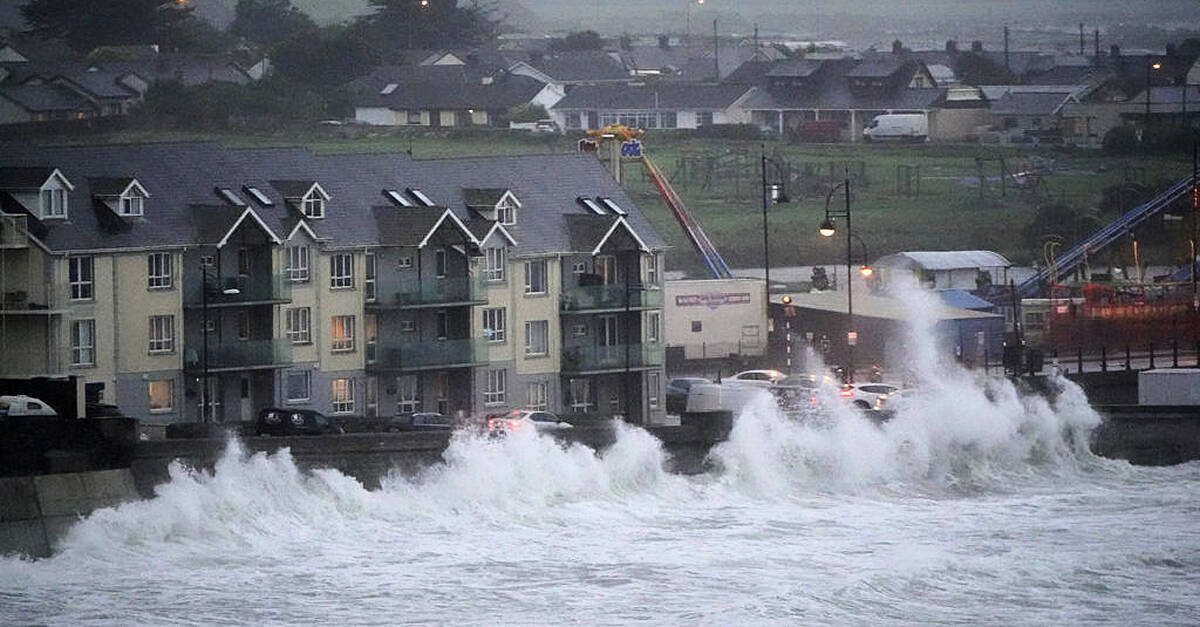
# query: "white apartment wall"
{"points": [[731, 314], [378, 116]]}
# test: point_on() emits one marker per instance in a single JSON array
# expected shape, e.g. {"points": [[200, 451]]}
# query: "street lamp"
{"points": [[1150, 67], [230, 291], [827, 229], [772, 193]]}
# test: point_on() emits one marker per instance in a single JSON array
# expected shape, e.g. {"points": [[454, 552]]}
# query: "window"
{"points": [[493, 264], [652, 385], [494, 392], [581, 394], [299, 386], [54, 203], [314, 205], [494, 324], [404, 263], [669, 119], [408, 326], [607, 331], [297, 268], [131, 204], [439, 263], [414, 117], [208, 261], [442, 324], [162, 396], [369, 278], [162, 334], [537, 397], [258, 195], [243, 325], [372, 397], [406, 395], [535, 277], [536, 337], [579, 268], [606, 267], [1035, 321], [83, 343], [652, 269], [213, 322], [573, 121], [697, 326], [506, 213], [704, 118], [341, 270], [81, 274], [229, 196], [441, 392], [581, 330], [371, 330], [342, 334], [299, 325], [342, 396], [244, 261], [653, 321], [158, 270]]}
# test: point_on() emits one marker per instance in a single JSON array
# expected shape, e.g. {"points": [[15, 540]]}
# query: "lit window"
{"points": [[81, 273], [162, 334], [299, 386], [159, 270], [342, 396], [497, 382], [493, 264], [83, 343], [537, 337], [342, 334], [371, 331], [494, 324], [341, 270], [162, 396], [299, 325]]}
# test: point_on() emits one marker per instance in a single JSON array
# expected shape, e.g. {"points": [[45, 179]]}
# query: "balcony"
{"points": [[12, 231], [600, 359], [233, 355], [434, 293], [429, 355], [602, 298], [241, 290]]}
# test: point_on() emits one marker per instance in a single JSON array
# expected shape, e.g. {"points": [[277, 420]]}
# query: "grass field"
{"points": [[719, 180]]}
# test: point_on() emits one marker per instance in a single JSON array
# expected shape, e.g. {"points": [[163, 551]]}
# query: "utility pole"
{"points": [[716, 54]]}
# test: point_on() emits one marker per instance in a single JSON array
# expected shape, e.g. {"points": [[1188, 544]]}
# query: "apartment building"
{"points": [[186, 281]]}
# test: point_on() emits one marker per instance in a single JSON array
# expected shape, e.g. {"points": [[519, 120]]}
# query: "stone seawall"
{"points": [[37, 511]]}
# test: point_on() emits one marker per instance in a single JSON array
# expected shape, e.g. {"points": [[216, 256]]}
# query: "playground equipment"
{"points": [[1071, 259], [625, 145]]}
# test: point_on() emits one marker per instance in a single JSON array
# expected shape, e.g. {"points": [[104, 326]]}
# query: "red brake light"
{"points": [[514, 423], [814, 400], [847, 393]]}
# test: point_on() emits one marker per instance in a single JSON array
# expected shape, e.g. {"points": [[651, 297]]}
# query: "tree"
{"points": [[324, 57], [416, 24], [579, 40], [105, 22], [268, 22]]}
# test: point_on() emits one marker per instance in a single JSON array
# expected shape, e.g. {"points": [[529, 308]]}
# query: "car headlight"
{"points": [[272, 418], [297, 419]]}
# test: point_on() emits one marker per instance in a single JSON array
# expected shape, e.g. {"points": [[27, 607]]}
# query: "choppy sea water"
{"points": [[976, 504]]}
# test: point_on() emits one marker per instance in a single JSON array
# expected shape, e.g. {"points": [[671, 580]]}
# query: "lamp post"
{"points": [[776, 194], [827, 229], [232, 291], [1150, 67]]}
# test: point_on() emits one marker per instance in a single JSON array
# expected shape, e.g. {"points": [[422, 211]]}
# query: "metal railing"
{"points": [[596, 297], [427, 354], [581, 359], [239, 354], [435, 292], [242, 289]]}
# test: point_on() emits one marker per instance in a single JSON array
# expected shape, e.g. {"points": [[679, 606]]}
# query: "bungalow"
{"points": [[657, 106], [444, 95]]}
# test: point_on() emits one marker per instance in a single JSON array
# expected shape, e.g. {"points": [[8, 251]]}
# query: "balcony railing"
{"points": [[434, 292], [580, 359], [609, 297], [242, 289], [234, 354], [428, 354]]}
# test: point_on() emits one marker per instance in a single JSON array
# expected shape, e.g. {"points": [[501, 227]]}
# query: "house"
{"points": [[574, 67], [1026, 115], [662, 105], [187, 281], [43, 102], [445, 95], [692, 63], [938, 270], [849, 92]]}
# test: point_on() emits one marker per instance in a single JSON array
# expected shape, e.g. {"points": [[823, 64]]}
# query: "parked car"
{"points": [[677, 393], [546, 127], [21, 405], [899, 126], [795, 388], [863, 395], [760, 378], [292, 421], [421, 421], [892, 400], [503, 424]]}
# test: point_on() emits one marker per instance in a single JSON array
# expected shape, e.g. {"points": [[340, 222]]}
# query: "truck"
{"points": [[898, 126]]}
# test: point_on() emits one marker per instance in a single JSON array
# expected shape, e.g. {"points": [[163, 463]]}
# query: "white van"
{"points": [[898, 126], [21, 405]]}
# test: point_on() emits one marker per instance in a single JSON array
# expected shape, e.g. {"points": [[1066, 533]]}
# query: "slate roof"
{"points": [[443, 87], [580, 65], [24, 178], [109, 185], [656, 96], [46, 97], [875, 306], [839, 96], [181, 176], [877, 66], [1029, 103], [799, 68], [293, 189], [476, 197]]}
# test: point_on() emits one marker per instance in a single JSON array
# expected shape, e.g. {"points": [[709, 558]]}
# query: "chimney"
{"points": [[1081, 39]]}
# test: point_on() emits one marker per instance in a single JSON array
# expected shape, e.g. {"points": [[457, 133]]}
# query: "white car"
{"points": [[501, 424], [863, 395], [758, 378], [21, 405]]}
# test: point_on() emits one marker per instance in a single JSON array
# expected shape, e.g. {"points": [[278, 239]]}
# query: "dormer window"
{"points": [[131, 203], [506, 212], [314, 205], [54, 203]]}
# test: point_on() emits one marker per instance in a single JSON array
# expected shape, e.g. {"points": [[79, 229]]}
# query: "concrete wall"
{"points": [[37, 511]]}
